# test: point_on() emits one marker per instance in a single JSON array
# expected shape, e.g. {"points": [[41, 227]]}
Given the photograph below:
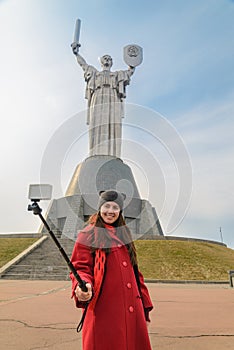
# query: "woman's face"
{"points": [[109, 212]]}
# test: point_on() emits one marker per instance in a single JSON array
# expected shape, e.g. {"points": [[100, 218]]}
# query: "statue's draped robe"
{"points": [[105, 91]]}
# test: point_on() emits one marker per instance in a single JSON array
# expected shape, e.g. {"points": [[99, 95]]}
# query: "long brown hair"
{"points": [[100, 235]]}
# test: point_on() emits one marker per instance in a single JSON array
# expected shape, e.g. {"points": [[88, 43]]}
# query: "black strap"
{"points": [[80, 325]]}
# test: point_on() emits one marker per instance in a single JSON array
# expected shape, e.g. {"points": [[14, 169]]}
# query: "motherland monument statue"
{"points": [[105, 92], [104, 169]]}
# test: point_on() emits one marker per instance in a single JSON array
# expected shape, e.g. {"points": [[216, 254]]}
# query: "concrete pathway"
{"points": [[36, 315]]}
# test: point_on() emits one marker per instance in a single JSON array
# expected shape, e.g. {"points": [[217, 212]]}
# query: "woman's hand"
{"points": [[84, 296]]}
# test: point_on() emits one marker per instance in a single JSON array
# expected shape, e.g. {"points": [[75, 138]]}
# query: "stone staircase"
{"points": [[43, 263]]}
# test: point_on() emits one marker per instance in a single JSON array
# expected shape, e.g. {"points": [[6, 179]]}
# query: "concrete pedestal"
{"points": [[68, 214]]}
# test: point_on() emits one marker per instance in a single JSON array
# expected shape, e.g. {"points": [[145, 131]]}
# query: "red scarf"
{"points": [[99, 268]]}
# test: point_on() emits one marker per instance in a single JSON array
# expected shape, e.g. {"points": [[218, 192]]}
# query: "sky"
{"points": [[178, 129]]}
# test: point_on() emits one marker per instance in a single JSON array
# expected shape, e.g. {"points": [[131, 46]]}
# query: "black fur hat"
{"points": [[111, 196]]}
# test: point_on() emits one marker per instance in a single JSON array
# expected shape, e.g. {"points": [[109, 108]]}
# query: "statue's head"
{"points": [[106, 61]]}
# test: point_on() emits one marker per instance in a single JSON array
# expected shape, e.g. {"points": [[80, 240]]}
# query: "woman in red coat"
{"points": [[117, 302]]}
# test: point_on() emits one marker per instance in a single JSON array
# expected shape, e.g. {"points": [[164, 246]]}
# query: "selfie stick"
{"points": [[37, 211]]}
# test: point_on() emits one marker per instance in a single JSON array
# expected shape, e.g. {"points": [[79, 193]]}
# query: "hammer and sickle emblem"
{"points": [[133, 51]]}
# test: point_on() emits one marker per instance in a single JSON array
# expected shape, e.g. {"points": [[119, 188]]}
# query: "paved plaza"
{"points": [[38, 315]]}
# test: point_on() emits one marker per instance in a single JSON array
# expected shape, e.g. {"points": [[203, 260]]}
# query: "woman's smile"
{"points": [[109, 212]]}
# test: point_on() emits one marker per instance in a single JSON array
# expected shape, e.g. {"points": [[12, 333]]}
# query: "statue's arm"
{"points": [[123, 79], [75, 48], [131, 70], [81, 61]]}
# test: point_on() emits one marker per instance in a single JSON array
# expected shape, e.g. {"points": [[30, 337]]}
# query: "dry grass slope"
{"points": [[183, 260], [163, 260], [11, 247]]}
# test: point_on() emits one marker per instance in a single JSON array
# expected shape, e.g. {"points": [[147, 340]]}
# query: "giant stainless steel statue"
{"points": [[105, 92]]}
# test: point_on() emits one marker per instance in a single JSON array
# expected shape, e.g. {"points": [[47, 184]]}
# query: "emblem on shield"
{"points": [[133, 55]]}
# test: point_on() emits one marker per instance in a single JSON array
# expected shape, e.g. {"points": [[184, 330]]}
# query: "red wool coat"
{"points": [[118, 319]]}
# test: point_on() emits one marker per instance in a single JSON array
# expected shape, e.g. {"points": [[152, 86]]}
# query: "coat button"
{"points": [[129, 285], [131, 309], [125, 264]]}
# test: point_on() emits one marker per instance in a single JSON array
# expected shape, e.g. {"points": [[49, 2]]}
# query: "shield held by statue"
{"points": [[133, 55]]}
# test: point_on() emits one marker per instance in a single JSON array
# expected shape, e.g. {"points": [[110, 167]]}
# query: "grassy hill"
{"points": [[159, 259], [184, 260], [11, 247]]}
